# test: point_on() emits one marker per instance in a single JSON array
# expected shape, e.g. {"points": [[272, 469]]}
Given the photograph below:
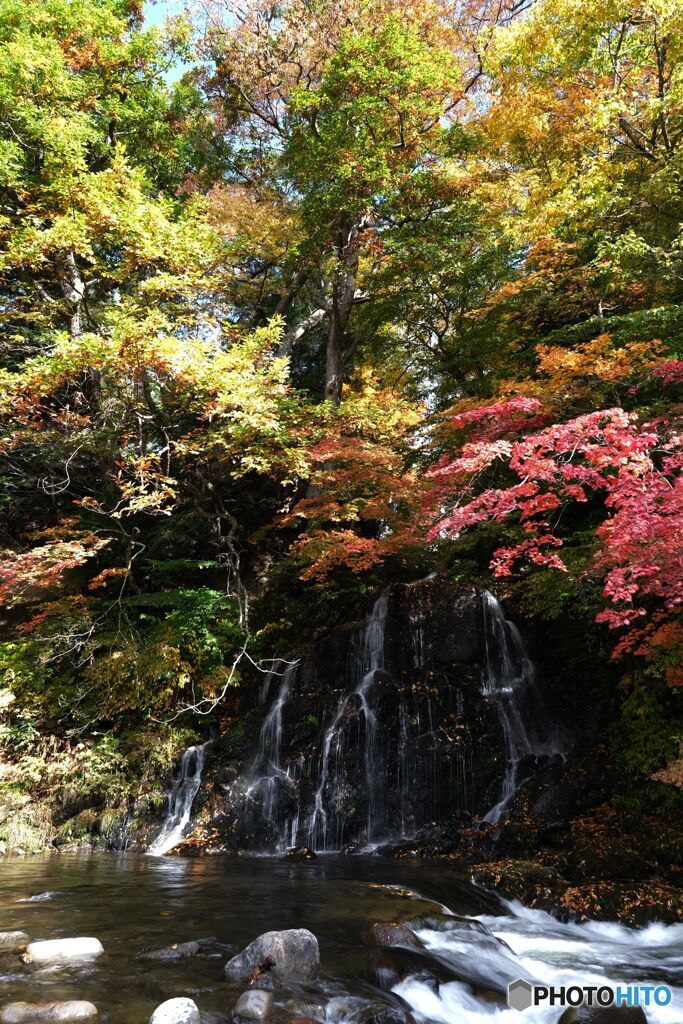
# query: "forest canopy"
{"points": [[375, 288]]}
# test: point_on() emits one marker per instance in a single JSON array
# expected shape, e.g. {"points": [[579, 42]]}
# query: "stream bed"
{"points": [[135, 903]]}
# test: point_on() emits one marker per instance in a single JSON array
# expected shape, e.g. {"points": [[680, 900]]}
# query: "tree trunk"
{"points": [[343, 292]]}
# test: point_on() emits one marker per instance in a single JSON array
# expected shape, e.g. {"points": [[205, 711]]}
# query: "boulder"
{"points": [[67, 1011], [603, 1015], [11, 942], [295, 953], [300, 853], [64, 949], [393, 934], [176, 1011], [178, 951], [255, 1004]]}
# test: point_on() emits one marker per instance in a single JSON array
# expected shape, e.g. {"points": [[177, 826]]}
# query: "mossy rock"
{"points": [[85, 823], [633, 905], [26, 825], [530, 881]]}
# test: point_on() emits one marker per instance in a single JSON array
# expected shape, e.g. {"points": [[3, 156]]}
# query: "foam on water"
{"points": [[540, 948]]}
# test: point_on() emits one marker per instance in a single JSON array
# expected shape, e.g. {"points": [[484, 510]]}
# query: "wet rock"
{"points": [[12, 942], [394, 934], [301, 1009], [67, 1011], [176, 1011], [256, 1004], [300, 853], [603, 1015], [64, 949], [295, 951], [178, 951], [358, 1011]]}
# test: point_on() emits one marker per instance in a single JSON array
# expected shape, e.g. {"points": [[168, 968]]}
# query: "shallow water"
{"points": [[136, 903]]}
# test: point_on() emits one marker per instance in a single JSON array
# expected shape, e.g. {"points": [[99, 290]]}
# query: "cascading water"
{"points": [[271, 788], [509, 681], [180, 799], [398, 751], [326, 823]]}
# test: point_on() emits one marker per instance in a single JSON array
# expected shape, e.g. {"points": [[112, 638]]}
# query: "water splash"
{"points": [[180, 799], [509, 681]]}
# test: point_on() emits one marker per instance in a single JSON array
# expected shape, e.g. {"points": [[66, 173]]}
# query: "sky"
{"points": [[156, 14]]}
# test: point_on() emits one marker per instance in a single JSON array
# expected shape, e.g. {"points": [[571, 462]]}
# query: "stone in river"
{"points": [[300, 853], [64, 949], [393, 934], [11, 942], [604, 1015], [295, 953], [176, 1011], [178, 951], [67, 1011], [256, 1004]]}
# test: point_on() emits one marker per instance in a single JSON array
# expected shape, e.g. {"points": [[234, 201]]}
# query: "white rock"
{"points": [[256, 1004], [67, 1011], [176, 1011], [64, 949]]}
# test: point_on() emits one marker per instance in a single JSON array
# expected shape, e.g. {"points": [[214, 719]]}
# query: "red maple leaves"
{"points": [[630, 471]]}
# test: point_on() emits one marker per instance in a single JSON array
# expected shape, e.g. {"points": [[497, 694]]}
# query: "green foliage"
{"points": [[648, 734]]}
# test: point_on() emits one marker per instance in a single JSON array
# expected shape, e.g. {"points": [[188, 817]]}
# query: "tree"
{"points": [[337, 106]]}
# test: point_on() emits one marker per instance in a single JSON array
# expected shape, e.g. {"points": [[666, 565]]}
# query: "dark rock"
{"points": [[300, 853], [603, 1015], [178, 951], [394, 934], [352, 1010], [295, 952], [255, 1004]]}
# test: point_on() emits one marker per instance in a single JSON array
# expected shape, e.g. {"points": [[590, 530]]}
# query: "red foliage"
{"points": [[633, 469]]}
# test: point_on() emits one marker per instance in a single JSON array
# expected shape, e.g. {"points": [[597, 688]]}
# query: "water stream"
{"points": [[271, 792], [326, 825], [474, 942], [509, 681], [184, 789]]}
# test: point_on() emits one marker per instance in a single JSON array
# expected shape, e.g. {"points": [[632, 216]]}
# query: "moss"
{"points": [[26, 826]]}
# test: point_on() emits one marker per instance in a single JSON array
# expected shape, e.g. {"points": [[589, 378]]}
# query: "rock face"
{"points": [[256, 1005], [11, 942], [379, 729], [295, 951], [64, 949], [176, 1011], [67, 1011]]}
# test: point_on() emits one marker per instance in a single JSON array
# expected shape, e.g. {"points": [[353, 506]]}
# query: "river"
{"points": [[136, 903]]}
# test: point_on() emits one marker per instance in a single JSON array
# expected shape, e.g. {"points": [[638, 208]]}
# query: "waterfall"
{"points": [[271, 788], [509, 681], [180, 799], [326, 823]]}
